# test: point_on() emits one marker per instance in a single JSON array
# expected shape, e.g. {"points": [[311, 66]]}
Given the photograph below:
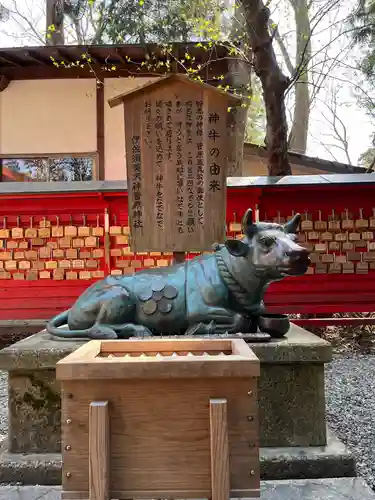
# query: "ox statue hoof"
{"points": [[101, 332], [201, 329], [132, 330]]}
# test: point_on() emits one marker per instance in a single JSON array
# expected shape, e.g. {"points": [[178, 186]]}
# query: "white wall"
{"points": [[115, 162], [48, 116]]}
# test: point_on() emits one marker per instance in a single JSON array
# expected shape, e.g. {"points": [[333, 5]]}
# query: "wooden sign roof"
{"points": [[163, 81]]}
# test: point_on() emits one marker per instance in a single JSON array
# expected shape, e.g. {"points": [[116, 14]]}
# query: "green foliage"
{"points": [[168, 21], [150, 21], [53, 169], [367, 159], [256, 118], [363, 25], [164, 22], [4, 13], [60, 169], [12, 164]]}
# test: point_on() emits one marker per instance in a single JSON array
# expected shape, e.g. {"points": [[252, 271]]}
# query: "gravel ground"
{"points": [[350, 389], [3, 404]]}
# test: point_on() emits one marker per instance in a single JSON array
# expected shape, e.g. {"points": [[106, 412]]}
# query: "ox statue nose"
{"points": [[301, 255]]}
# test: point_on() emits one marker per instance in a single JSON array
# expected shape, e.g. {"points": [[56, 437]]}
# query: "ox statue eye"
{"points": [[268, 241]]}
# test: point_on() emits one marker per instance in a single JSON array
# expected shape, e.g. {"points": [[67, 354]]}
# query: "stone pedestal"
{"points": [[291, 390], [291, 395], [34, 394]]}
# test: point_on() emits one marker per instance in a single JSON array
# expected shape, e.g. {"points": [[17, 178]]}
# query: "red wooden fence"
{"points": [[24, 297]]}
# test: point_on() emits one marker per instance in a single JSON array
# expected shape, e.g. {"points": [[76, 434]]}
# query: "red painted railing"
{"points": [[324, 293]]}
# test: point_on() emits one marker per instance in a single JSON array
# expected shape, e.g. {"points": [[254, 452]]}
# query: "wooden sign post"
{"points": [[177, 150]]}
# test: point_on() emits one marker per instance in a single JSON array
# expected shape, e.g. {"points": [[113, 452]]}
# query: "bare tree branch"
{"points": [[26, 20], [339, 129], [282, 46]]}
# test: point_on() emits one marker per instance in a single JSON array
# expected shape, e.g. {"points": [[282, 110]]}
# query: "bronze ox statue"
{"points": [[211, 294]]}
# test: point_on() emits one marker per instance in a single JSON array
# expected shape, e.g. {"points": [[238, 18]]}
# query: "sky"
{"points": [[359, 135], [337, 61], [27, 23]]}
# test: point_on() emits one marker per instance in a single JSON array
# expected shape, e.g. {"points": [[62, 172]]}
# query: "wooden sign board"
{"points": [[177, 150]]}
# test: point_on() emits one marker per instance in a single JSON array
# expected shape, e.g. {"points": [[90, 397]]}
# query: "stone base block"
{"points": [[34, 412], [14, 330], [291, 391], [353, 488], [297, 462], [332, 460], [42, 469]]}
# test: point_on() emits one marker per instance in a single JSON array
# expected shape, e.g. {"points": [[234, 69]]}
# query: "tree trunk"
{"points": [[274, 84], [300, 127], [237, 126], [239, 78], [301, 116], [55, 18]]}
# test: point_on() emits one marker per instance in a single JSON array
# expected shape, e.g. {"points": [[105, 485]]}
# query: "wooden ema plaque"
{"points": [[176, 141], [160, 419]]}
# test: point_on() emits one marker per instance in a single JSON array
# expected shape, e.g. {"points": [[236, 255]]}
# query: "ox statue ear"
{"points": [[247, 223], [237, 248], [292, 225]]}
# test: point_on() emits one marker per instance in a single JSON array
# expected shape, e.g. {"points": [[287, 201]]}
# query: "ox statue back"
{"points": [[210, 294]]}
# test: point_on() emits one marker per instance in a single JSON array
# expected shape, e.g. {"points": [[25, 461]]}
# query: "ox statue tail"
{"points": [[95, 332]]}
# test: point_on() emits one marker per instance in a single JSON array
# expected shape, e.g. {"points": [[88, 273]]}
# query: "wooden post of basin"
{"points": [[219, 450], [99, 438]]}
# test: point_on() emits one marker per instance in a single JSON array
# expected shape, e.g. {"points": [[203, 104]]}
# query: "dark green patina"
{"points": [[211, 294], [46, 397]]}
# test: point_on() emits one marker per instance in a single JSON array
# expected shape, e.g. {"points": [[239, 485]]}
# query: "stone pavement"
{"points": [[301, 489]]}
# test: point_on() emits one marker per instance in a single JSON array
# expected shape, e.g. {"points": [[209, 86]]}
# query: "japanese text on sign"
{"points": [[214, 165], [137, 216], [147, 111], [168, 132], [200, 183], [159, 179], [191, 202], [180, 175]]}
